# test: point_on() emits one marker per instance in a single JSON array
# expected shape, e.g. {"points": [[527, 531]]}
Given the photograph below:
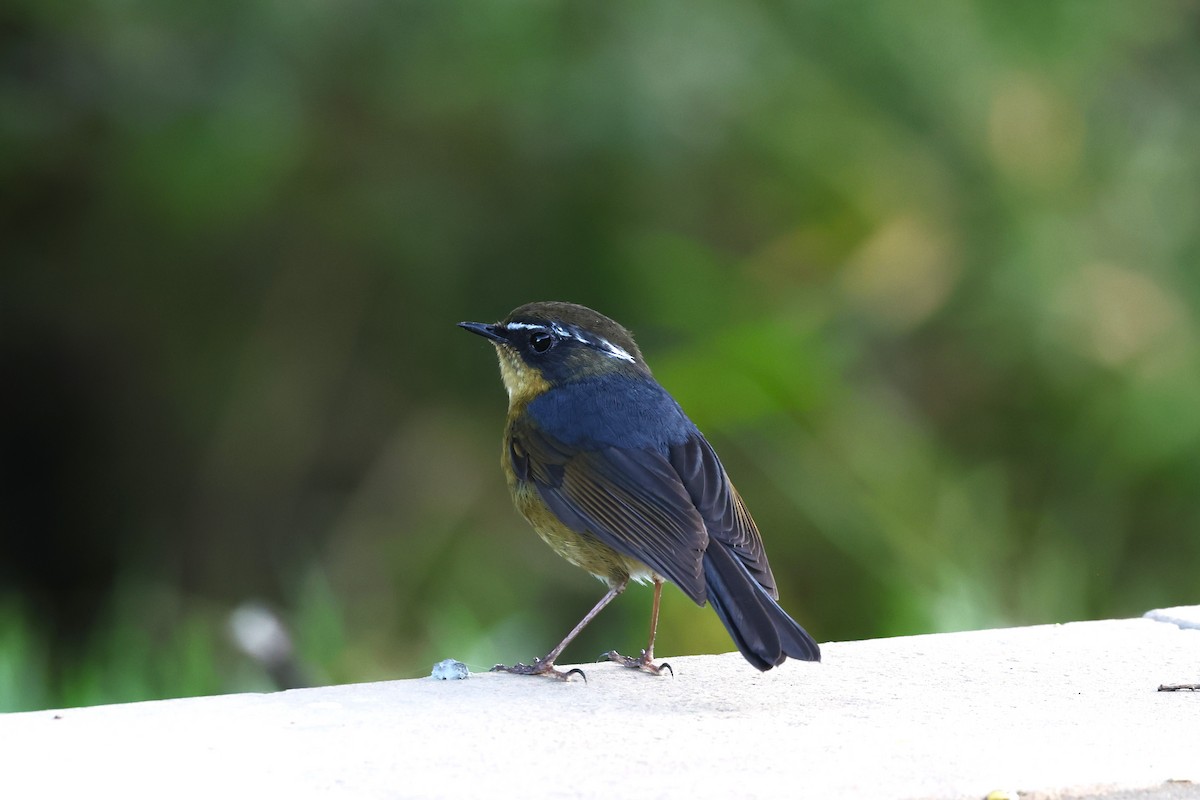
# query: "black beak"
{"points": [[485, 330]]}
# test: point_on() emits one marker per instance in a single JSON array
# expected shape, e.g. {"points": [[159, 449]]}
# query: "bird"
{"points": [[613, 475]]}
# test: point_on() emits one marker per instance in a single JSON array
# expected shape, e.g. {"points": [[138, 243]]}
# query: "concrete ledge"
{"points": [[1056, 710]]}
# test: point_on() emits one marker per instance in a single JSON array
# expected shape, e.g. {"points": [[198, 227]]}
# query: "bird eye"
{"points": [[540, 341]]}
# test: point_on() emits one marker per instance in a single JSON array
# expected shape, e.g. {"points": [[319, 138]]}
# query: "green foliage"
{"points": [[926, 276]]}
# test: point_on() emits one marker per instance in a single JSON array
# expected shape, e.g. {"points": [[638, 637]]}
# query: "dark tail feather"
{"points": [[763, 631]]}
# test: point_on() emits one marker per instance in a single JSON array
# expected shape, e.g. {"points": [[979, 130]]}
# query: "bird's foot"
{"points": [[540, 666], [644, 662]]}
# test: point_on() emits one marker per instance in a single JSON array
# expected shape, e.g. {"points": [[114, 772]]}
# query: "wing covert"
{"points": [[630, 499]]}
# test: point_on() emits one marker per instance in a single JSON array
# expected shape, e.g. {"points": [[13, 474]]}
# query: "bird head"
{"points": [[548, 344]]}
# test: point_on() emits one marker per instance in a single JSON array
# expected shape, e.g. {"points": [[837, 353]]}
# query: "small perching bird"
{"points": [[617, 480]]}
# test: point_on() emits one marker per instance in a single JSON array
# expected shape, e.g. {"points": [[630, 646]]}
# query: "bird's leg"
{"points": [[545, 665], [645, 661]]}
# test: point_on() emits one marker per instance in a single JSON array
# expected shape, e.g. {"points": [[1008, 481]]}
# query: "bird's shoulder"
{"points": [[631, 412]]}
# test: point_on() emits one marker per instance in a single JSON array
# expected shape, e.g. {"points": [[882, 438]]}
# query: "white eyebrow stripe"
{"points": [[598, 342], [615, 351]]}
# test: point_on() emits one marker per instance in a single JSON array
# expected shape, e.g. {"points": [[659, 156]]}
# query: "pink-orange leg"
{"points": [[545, 665], [645, 662]]}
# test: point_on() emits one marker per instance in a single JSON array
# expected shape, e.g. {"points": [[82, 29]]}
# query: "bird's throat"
{"points": [[522, 382]]}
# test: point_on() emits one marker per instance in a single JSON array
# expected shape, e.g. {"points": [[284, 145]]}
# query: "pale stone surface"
{"points": [[1060, 710]]}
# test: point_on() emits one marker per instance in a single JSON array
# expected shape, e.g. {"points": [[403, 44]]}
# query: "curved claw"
{"points": [[643, 662], [540, 667]]}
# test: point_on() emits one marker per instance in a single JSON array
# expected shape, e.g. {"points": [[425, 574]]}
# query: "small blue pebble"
{"points": [[450, 670]]}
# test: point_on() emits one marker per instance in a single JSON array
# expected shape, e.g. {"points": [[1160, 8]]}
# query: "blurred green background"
{"points": [[924, 272]]}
